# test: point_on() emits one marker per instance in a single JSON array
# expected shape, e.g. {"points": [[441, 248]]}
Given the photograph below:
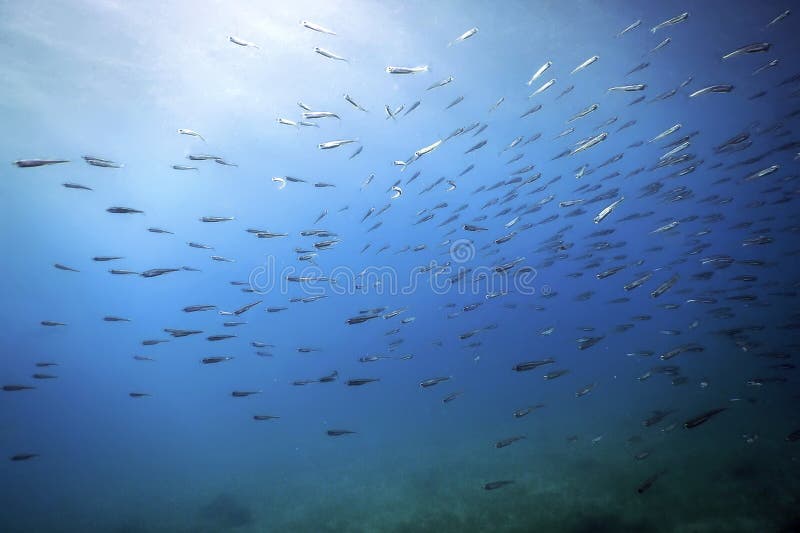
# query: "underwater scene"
{"points": [[400, 266]]}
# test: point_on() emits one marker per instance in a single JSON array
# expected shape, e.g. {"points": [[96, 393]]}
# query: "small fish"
{"points": [[329, 54], [450, 397], [152, 273], [629, 88], [30, 163], [316, 27], [649, 482], [407, 70], [712, 89], [360, 381], [319, 114], [748, 49], [670, 22], [531, 365], [215, 359], [463, 37], [539, 72], [24, 456], [339, 432], [457, 101], [630, 27], [492, 485], [589, 143], [703, 418], [191, 133], [432, 381], [664, 287], [441, 83], [546, 85], [507, 442], [335, 144], [244, 394], [779, 18], [352, 102], [660, 45], [607, 210], [77, 186], [241, 42], [17, 388], [98, 162], [585, 64], [123, 210]]}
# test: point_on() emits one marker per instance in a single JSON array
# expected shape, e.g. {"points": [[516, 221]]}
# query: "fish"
{"points": [[628, 88], [457, 101], [31, 163], [585, 64], [659, 46], [541, 70], [432, 381], [152, 273], [330, 55], [310, 115], [779, 18], [531, 365], [124, 210], [546, 85], [335, 144], [670, 22], [703, 418], [632, 26], [664, 287], [99, 162], [316, 27], [357, 382], [583, 112], [191, 133], [712, 89], [493, 485], [219, 337], [215, 359], [452, 396], [412, 107], [17, 388], [608, 210], [242, 42], [589, 143], [463, 37], [352, 102], [441, 83], [507, 442], [24, 456], [339, 432], [748, 49], [77, 186], [647, 483], [407, 70]]}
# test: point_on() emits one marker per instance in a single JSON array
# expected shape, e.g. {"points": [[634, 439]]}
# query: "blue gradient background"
{"points": [[116, 79]]}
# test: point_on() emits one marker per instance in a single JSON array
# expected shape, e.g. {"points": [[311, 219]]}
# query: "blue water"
{"points": [[116, 80]]}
